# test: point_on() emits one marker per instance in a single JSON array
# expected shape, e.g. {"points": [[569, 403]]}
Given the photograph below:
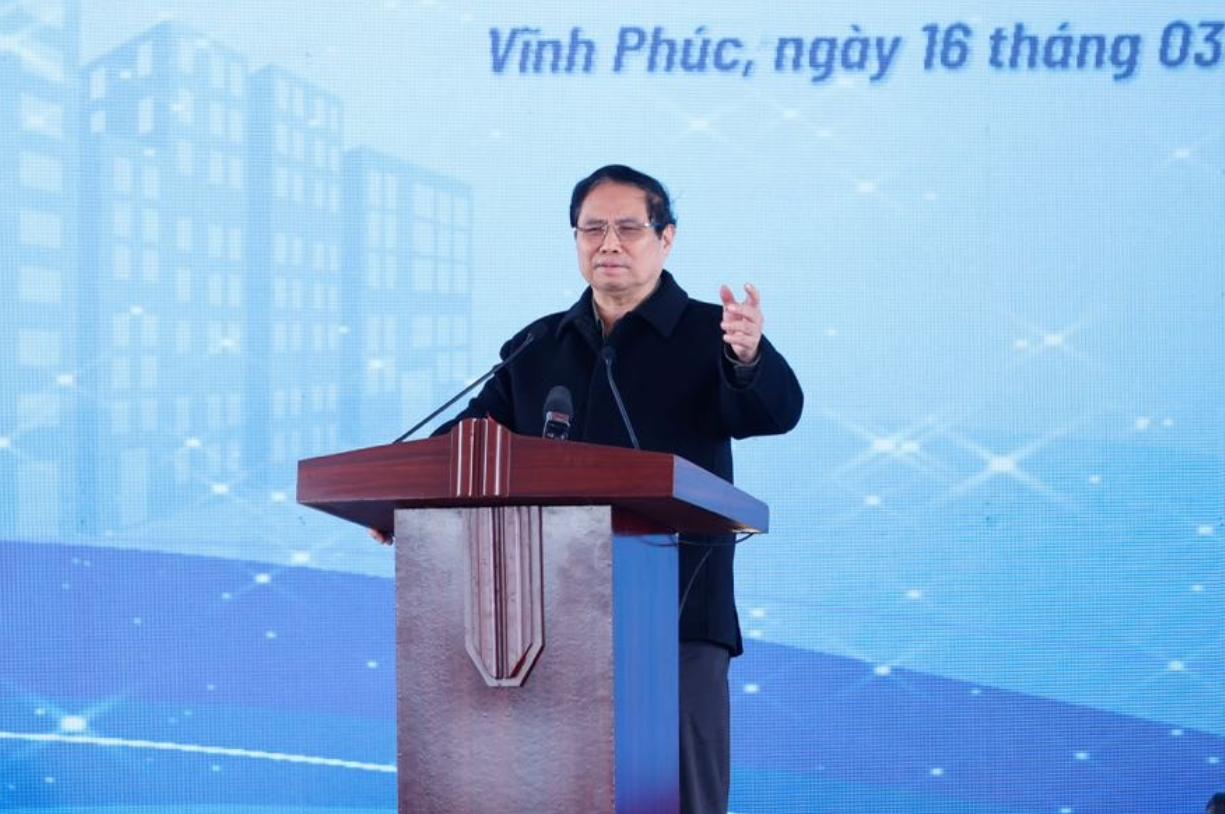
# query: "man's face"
{"points": [[620, 267]]}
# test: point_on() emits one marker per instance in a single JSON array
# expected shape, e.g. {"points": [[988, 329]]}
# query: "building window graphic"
{"points": [[39, 229], [39, 172], [42, 116], [144, 58], [145, 116], [40, 285], [41, 60]]}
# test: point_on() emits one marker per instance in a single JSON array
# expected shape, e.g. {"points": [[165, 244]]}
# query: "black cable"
{"points": [[710, 546], [609, 354], [680, 611]]}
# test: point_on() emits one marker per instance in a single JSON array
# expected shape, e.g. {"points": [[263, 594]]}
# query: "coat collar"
{"points": [[662, 310]]}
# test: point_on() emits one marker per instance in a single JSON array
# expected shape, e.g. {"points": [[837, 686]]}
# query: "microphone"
{"points": [[558, 407], [609, 355], [527, 340]]}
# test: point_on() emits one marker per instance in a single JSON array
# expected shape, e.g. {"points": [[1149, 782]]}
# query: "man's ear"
{"points": [[667, 236]]}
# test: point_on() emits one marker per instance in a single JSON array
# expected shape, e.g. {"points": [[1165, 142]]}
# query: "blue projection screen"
{"points": [[990, 238]]}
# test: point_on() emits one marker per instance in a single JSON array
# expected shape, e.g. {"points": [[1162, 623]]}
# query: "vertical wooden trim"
{"points": [[504, 600], [480, 460]]}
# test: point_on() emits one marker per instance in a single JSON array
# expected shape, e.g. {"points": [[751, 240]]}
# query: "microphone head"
{"points": [[609, 353], [558, 407], [559, 401]]}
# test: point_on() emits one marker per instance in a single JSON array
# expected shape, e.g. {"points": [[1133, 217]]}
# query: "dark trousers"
{"points": [[705, 728]]}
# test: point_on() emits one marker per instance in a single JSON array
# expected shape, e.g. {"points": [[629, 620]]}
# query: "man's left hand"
{"points": [[742, 323]]}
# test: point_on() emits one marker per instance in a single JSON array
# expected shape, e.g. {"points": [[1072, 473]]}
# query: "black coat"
{"points": [[682, 396]]}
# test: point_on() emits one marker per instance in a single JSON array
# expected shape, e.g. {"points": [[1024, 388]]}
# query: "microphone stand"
{"points": [[527, 340]]}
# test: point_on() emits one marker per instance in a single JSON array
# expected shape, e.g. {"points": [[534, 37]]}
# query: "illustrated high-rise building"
{"points": [[163, 272], [294, 322], [407, 296], [40, 369]]}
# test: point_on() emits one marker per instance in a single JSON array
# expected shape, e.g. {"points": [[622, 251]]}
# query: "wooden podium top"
{"points": [[481, 463]]}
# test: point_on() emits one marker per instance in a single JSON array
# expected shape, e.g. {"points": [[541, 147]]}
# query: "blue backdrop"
{"points": [[989, 239]]}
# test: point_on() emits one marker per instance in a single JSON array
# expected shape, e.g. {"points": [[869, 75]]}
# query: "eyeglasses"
{"points": [[627, 231]]}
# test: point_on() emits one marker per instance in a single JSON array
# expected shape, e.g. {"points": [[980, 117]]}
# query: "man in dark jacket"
{"points": [[692, 376]]}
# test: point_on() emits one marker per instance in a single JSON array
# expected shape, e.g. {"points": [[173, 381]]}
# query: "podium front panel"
{"points": [[593, 726]]}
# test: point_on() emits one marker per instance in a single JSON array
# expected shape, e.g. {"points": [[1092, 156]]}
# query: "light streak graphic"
{"points": [[197, 749]]}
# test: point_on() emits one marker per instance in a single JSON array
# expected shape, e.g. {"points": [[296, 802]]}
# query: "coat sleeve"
{"points": [[769, 403]]}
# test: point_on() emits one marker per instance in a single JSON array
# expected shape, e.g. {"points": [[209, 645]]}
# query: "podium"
{"points": [[536, 613]]}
